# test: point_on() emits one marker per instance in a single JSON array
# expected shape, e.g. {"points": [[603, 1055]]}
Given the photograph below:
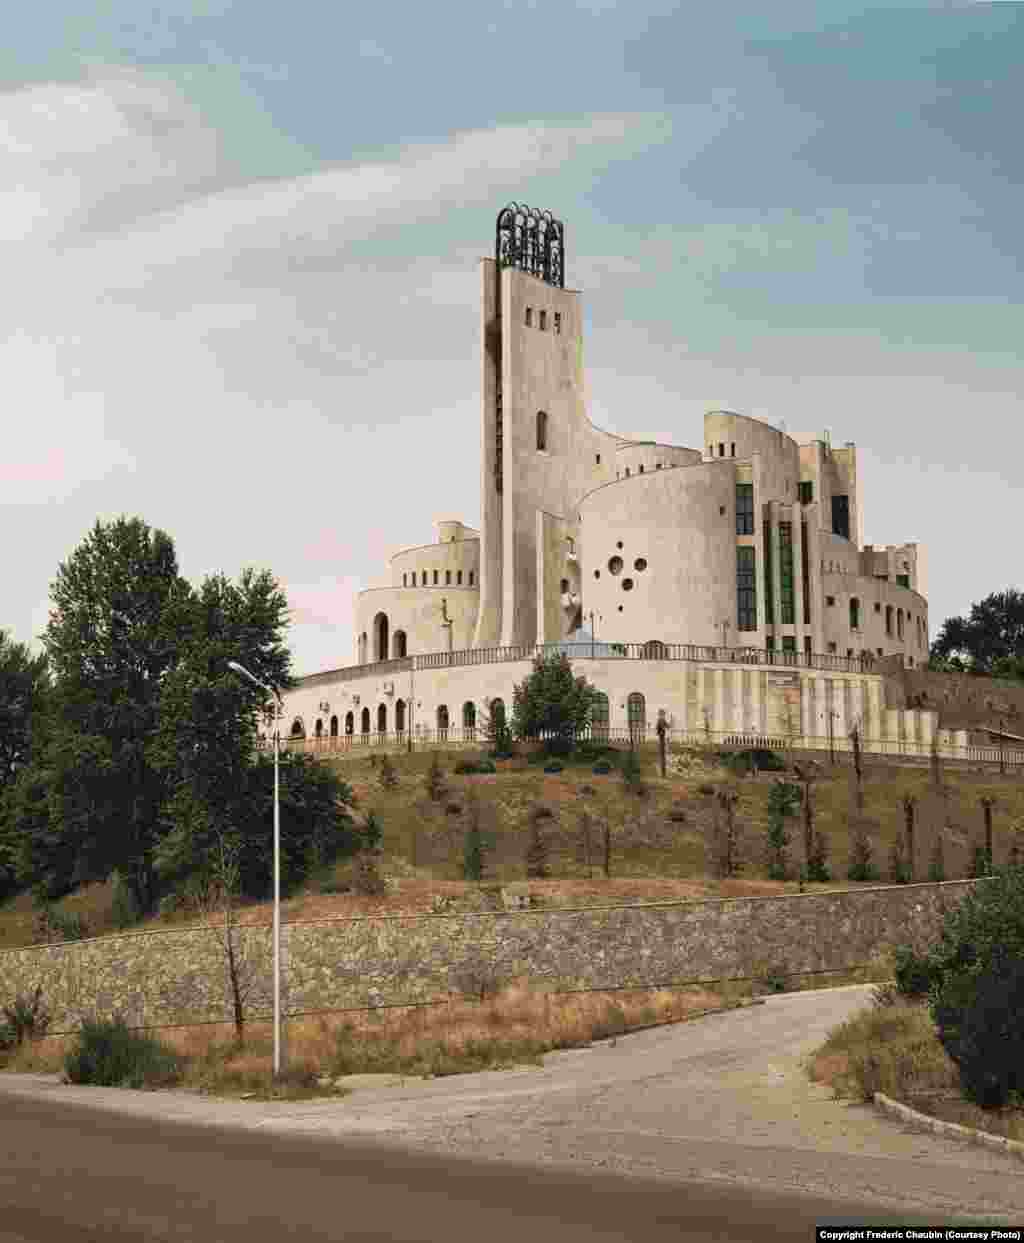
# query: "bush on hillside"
{"points": [[53, 925], [980, 1023], [914, 973], [109, 1054], [977, 970], [26, 1018], [602, 767], [466, 767]]}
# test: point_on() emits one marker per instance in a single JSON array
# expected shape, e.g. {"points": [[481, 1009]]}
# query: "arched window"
{"points": [[442, 720], [366, 720], [400, 716], [298, 729], [496, 709], [469, 717], [382, 719], [599, 717], [654, 649], [404, 577], [350, 723], [334, 726], [636, 715], [542, 430], [471, 578], [380, 637], [319, 728], [423, 578], [447, 578], [399, 644], [854, 613]]}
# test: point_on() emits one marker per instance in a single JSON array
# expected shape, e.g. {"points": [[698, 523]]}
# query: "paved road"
{"points": [[715, 1114]]}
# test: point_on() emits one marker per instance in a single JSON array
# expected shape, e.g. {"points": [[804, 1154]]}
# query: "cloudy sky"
{"points": [[240, 250]]}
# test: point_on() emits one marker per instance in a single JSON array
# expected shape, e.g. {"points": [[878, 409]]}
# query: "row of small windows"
{"points": [[721, 450], [542, 320], [447, 578], [855, 618], [636, 709]]}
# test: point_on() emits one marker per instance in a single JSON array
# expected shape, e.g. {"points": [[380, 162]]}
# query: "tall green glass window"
{"points": [[769, 599], [786, 572], [746, 589]]}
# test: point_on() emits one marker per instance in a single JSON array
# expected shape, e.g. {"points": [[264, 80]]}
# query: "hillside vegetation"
{"points": [[657, 838]]}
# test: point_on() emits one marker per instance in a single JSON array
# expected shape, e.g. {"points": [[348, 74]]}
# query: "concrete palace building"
{"points": [[725, 587]]}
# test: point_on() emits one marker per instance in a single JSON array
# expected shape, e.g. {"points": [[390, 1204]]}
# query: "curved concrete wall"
{"points": [[416, 611], [682, 523], [641, 458], [441, 559], [875, 598]]}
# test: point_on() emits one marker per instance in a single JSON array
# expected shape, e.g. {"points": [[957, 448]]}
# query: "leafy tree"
{"points": [[497, 731], [991, 638], [111, 640], [24, 685], [387, 778], [632, 773], [783, 797], [434, 782], [551, 702], [976, 992]]}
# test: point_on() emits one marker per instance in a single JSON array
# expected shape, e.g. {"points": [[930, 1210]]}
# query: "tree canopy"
{"points": [[144, 754], [550, 702], [990, 640]]}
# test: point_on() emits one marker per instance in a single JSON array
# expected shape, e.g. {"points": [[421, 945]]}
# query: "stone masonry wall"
{"points": [[178, 977]]}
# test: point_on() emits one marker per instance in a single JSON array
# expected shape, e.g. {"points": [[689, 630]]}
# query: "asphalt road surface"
{"points": [[700, 1130]]}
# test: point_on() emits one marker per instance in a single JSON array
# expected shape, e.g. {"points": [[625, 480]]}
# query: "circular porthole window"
{"points": [[597, 573], [627, 584], [640, 564], [620, 608], [615, 565], [619, 544]]}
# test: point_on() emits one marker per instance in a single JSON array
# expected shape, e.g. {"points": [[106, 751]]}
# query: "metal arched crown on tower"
{"points": [[532, 241]]}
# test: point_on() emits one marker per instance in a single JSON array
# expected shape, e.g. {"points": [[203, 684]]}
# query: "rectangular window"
{"points": [[470, 578], [769, 595], [807, 645], [598, 457], [878, 607], [721, 449], [786, 572], [458, 578], [830, 601], [882, 578], [903, 580], [746, 589], [806, 491], [770, 643], [543, 320], [841, 516], [832, 648], [447, 578], [788, 643], [435, 578], [732, 450], [529, 316], [558, 322], [805, 563], [744, 509]]}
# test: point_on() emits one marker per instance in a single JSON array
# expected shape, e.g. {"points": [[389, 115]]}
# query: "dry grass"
{"points": [[515, 1027], [895, 1050]]}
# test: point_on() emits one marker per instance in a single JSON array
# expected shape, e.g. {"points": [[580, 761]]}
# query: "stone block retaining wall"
{"points": [[178, 976]]}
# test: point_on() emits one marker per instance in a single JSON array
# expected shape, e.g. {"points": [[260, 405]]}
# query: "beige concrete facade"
{"points": [[751, 542]]}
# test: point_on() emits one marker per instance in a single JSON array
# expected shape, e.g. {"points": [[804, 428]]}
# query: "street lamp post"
{"points": [[235, 667]]}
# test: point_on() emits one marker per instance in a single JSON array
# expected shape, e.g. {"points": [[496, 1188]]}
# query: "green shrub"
{"points": [[632, 774], [124, 910], [737, 763], [54, 925], [913, 972], [25, 1018], [486, 766], [767, 761], [555, 766], [980, 1022], [602, 767], [773, 981], [108, 1053]]}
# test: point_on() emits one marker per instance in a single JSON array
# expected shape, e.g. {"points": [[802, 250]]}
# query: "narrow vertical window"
{"points": [[542, 431], [744, 509], [458, 578], [805, 561], [435, 578], [470, 578], [721, 449], [558, 323], [732, 450], [447, 578], [746, 589], [543, 320], [769, 593], [786, 572], [529, 316]]}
